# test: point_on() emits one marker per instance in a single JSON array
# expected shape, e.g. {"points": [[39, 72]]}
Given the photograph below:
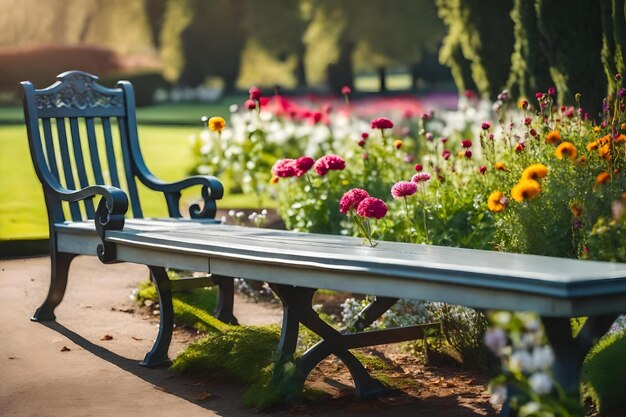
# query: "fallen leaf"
{"points": [[106, 337], [13, 357], [136, 338], [65, 349], [85, 305], [203, 396]]}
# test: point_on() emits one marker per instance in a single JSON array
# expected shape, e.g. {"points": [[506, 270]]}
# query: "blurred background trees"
{"points": [[483, 45]]}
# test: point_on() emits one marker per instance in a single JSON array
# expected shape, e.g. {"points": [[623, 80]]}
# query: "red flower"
{"points": [[466, 143], [316, 117], [468, 153], [486, 125], [372, 207], [421, 177], [527, 121], [482, 169], [329, 162], [445, 154], [382, 123], [552, 91], [285, 168], [255, 93], [345, 90], [403, 189], [365, 135], [418, 167], [249, 104], [303, 164], [362, 143], [351, 199]]}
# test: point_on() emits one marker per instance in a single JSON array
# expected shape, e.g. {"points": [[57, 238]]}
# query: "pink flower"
{"points": [[303, 164], [466, 143], [552, 91], [316, 117], [329, 162], [428, 136], [445, 154], [365, 156], [468, 153], [527, 121], [482, 169], [539, 95], [345, 90], [362, 143], [382, 123], [365, 135], [533, 132], [249, 104], [421, 177], [372, 207], [403, 189], [351, 199], [255, 93], [418, 167], [618, 76], [486, 125], [443, 140], [285, 168]]}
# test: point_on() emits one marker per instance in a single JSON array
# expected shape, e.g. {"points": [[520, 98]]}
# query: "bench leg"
{"points": [[372, 312], [158, 356], [297, 309], [60, 265], [226, 298]]}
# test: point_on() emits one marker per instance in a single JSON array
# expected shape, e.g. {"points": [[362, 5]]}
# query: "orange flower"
{"points": [[566, 150], [500, 166], [582, 159], [602, 177], [623, 126], [605, 152], [596, 129], [274, 179], [525, 190], [397, 143], [534, 172], [576, 210], [217, 123], [620, 138], [497, 202], [593, 145], [553, 137]]}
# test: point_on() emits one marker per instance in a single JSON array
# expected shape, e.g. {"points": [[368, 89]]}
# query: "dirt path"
{"points": [[85, 364]]}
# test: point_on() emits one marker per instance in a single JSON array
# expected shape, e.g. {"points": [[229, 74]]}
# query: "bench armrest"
{"points": [[212, 190]]}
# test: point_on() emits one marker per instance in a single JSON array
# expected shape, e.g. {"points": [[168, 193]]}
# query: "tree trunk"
{"points": [[300, 70], [382, 79], [341, 73]]}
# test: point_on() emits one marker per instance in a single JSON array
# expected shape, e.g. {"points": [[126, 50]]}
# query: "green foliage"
{"points": [[145, 83], [613, 39], [603, 372]]}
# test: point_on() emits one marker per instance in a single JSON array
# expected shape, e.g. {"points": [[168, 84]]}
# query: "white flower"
{"points": [[231, 213], [495, 339], [233, 108], [498, 395], [520, 361], [541, 383], [543, 357]]}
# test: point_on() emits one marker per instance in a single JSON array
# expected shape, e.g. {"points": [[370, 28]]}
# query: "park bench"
{"points": [[297, 264]]}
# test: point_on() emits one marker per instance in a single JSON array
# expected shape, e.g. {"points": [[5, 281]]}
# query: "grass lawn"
{"points": [[167, 153]]}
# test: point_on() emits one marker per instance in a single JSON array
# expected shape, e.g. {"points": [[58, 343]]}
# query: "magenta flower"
{"points": [[255, 93], [420, 177], [316, 117], [329, 162], [618, 76], [482, 169], [285, 168], [418, 167], [372, 208], [539, 95], [382, 123], [365, 135], [303, 164], [351, 199], [445, 154], [249, 104], [486, 125], [552, 91], [429, 136], [403, 189], [362, 143], [468, 153], [345, 90], [466, 143], [527, 121]]}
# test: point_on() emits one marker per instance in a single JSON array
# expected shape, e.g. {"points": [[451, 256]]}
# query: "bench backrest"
{"points": [[75, 129]]}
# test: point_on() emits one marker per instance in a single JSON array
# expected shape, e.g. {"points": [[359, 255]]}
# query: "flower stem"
{"points": [[408, 219], [424, 213]]}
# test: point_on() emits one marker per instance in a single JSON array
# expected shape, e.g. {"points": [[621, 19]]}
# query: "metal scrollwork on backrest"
{"points": [[78, 90]]}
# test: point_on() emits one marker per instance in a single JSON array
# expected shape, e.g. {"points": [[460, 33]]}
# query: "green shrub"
{"points": [[145, 83]]}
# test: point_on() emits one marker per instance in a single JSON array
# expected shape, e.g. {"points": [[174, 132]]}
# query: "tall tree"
{"points": [[613, 38], [155, 13]]}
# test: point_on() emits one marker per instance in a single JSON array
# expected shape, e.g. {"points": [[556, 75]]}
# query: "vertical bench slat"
{"points": [[130, 176], [52, 159], [108, 142], [80, 165], [93, 148], [67, 166]]}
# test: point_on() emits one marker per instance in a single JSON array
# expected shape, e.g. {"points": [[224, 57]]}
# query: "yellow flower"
{"points": [[525, 190], [623, 126], [620, 138], [602, 177], [497, 201], [217, 124], [397, 143], [534, 172], [605, 152], [274, 179], [553, 137], [500, 166], [566, 150], [596, 129], [593, 145]]}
